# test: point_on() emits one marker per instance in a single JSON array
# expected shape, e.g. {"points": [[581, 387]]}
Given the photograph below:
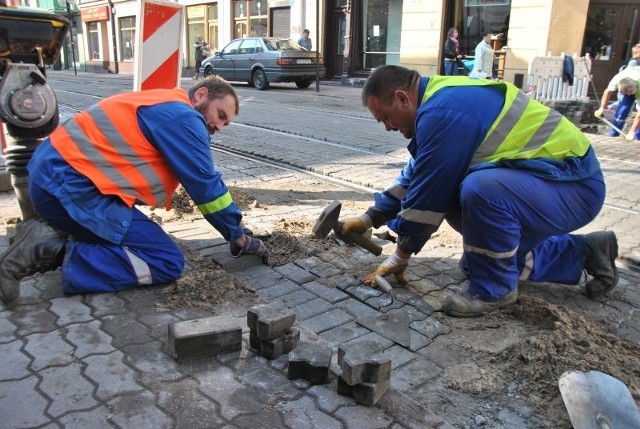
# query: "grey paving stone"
{"points": [[139, 411], [111, 375], [97, 418], [267, 418], [327, 320], [267, 384], [385, 303], [414, 373], [417, 341], [66, 396], [269, 278], [33, 318], [362, 292], [190, 408], [88, 338], [302, 413], [222, 257], [327, 398], [294, 299], [157, 323], [21, 405], [364, 393], [295, 273], [344, 333], [204, 337], [310, 361], [330, 294], [357, 308], [272, 349], [105, 303], [282, 287], [15, 364], [270, 321], [233, 397], [7, 328], [312, 308], [153, 362], [125, 329], [374, 336], [430, 327], [399, 356], [363, 417], [48, 349], [411, 414], [317, 266], [363, 362], [340, 281], [413, 299], [70, 310], [256, 272], [410, 311]]}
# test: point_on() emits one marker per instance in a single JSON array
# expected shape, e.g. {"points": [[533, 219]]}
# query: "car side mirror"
{"points": [[218, 54]]}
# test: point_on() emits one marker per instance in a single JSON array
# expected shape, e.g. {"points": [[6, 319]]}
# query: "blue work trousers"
{"points": [[92, 264], [514, 223], [625, 104]]}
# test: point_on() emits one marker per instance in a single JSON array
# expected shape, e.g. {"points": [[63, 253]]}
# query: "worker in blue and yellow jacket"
{"points": [[511, 175], [88, 176]]}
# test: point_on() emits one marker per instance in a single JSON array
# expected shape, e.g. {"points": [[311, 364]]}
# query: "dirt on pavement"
{"points": [[514, 355]]}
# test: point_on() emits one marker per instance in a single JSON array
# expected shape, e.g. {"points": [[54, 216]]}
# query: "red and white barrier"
{"points": [[159, 48]]}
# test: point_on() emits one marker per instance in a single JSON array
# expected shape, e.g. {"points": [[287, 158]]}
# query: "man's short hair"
{"points": [[627, 85], [218, 88], [305, 31], [385, 80]]}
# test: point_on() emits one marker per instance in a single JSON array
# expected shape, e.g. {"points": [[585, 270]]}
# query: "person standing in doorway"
{"points": [[305, 40], [483, 60], [452, 53], [199, 46]]}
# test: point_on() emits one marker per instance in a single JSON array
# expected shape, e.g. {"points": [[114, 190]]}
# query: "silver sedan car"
{"points": [[262, 60]]}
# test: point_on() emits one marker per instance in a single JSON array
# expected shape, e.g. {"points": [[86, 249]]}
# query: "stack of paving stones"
{"points": [[204, 337], [366, 371], [271, 330]]}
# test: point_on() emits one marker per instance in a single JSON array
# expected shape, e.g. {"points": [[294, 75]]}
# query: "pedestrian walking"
{"points": [[513, 176], [88, 176], [483, 58], [200, 47], [452, 53]]}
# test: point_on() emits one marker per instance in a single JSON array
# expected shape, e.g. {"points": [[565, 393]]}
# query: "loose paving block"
{"points": [[272, 349], [270, 321], [364, 393], [363, 362], [222, 256], [204, 337], [310, 361]]}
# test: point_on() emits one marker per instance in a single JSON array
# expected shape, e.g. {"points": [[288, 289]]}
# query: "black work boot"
{"points": [[601, 251], [463, 304], [36, 247]]}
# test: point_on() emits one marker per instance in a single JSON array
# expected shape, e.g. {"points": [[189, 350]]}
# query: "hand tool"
{"points": [[608, 122], [595, 400], [328, 220]]}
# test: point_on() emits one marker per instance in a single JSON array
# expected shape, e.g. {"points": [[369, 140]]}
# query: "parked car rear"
{"points": [[262, 60]]}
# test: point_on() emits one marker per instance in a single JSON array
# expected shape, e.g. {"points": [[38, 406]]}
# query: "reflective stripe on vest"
{"points": [[216, 205], [105, 144], [524, 129]]}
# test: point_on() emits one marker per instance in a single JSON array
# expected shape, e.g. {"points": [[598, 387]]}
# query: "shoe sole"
{"points": [[613, 252]]}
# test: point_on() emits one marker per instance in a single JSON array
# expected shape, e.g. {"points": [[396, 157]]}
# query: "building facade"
{"points": [[356, 36]]}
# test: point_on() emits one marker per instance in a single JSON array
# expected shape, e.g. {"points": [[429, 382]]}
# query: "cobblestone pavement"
{"points": [[102, 361]]}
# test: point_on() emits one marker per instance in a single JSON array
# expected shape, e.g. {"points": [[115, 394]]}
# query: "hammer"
{"points": [[329, 220]]}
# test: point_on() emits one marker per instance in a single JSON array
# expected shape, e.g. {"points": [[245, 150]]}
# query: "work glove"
{"points": [[630, 136], [394, 264], [252, 246], [356, 223], [598, 113]]}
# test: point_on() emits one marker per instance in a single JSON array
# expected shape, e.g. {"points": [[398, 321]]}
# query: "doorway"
{"points": [[611, 31]]}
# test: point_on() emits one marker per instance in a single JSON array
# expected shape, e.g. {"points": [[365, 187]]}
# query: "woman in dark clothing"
{"points": [[452, 53]]}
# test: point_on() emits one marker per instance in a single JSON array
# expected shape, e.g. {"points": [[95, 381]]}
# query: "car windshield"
{"points": [[283, 45]]}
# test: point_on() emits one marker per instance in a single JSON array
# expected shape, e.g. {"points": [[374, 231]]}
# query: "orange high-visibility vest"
{"points": [[105, 144]]}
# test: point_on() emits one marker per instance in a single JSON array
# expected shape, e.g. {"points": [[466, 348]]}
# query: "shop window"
{"points": [[478, 16], [212, 20], [250, 18], [93, 41], [381, 32], [127, 37]]}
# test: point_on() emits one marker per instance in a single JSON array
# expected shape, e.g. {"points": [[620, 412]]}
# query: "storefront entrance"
{"points": [[612, 29]]}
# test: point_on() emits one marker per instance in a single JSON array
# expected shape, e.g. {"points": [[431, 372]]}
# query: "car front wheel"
{"points": [[208, 71], [260, 79]]}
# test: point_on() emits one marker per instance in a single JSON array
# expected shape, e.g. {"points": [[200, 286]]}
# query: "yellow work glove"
{"points": [[394, 264], [630, 136], [598, 113], [356, 223]]}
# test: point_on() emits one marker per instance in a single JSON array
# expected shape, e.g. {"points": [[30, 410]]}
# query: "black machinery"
{"points": [[30, 39]]}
